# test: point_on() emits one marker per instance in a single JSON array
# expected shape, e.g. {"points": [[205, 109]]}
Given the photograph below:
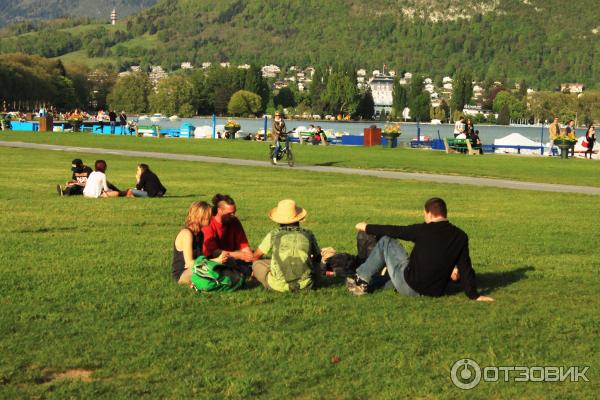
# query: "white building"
{"points": [[270, 71], [408, 76], [447, 79], [572, 87], [429, 88], [474, 110], [225, 65], [376, 72], [206, 65], [447, 86], [187, 65], [381, 89], [113, 17], [427, 81], [156, 74]]}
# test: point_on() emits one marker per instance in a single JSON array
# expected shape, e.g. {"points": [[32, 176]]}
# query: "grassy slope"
{"points": [[116, 311], [580, 172]]}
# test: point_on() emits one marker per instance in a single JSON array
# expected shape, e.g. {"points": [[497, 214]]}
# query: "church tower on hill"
{"points": [[113, 17]]}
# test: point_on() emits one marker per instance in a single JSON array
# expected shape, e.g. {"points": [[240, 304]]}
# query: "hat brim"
{"points": [[280, 219]]}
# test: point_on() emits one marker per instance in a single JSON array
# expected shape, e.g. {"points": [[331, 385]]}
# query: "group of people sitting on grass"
{"points": [[94, 184], [288, 257]]}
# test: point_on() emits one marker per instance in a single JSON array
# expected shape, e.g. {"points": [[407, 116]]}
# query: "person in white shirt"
{"points": [[96, 185], [459, 126]]}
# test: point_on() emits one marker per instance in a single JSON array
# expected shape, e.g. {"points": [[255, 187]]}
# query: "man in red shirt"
{"points": [[225, 233]]}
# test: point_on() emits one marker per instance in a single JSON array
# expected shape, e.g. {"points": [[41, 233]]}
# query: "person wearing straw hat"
{"points": [[293, 251]]}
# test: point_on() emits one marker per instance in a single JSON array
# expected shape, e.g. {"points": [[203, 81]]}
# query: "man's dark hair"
{"points": [[219, 198], [100, 166], [437, 207], [144, 167]]}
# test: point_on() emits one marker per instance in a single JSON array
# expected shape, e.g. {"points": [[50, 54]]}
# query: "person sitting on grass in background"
{"points": [[225, 233], [97, 185], [75, 186], [188, 243], [293, 251], [148, 184], [439, 248]]}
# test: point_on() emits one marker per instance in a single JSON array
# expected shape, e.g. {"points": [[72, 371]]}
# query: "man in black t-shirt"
{"points": [[112, 117], [78, 180], [440, 254]]}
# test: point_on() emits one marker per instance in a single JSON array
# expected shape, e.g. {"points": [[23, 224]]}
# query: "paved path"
{"points": [[415, 176]]}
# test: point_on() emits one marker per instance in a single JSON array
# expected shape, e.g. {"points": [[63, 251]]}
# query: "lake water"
{"points": [[487, 133]]}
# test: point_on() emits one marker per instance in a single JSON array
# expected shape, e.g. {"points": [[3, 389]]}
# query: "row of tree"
{"points": [[30, 81], [26, 82]]}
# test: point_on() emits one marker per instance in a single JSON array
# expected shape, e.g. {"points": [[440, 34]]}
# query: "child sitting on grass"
{"points": [[293, 250]]}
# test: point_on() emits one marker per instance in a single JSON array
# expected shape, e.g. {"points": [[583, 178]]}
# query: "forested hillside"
{"points": [[542, 42], [26, 10]]}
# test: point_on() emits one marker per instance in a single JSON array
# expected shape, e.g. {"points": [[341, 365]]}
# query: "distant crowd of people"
{"points": [[288, 257], [94, 183], [464, 129], [556, 131]]}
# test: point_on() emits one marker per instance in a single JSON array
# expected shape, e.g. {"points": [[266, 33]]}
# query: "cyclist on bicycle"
{"points": [[279, 133]]}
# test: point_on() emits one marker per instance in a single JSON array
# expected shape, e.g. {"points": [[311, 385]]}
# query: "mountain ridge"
{"points": [[539, 41]]}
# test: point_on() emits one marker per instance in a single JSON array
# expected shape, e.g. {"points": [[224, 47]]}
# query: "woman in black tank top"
{"points": [[188, 243]]}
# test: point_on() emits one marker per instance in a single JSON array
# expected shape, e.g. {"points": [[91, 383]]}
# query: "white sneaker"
{"points": [[274, 161]]}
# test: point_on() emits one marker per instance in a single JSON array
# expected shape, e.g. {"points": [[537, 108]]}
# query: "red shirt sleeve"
{"points": [[211, 241]]}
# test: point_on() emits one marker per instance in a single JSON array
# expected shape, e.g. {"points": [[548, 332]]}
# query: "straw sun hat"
{"points": [[287, 212]]}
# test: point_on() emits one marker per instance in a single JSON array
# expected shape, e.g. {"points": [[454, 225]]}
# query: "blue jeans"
{"points": [[139, 193], [112, 127], [388, 252], [278, 145]]}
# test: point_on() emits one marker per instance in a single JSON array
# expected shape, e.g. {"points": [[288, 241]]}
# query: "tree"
{"points": [[462, 90], [174, 96], [78, 74], [366, 106], [284, 98], [504, 116], [399, 99], [244, 103], [419, 107], [131, 93], [316, 89], [340, 95]]}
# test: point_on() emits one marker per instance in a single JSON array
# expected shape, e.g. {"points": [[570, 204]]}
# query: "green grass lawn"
{"points": [[86, 285], [533, 169]]}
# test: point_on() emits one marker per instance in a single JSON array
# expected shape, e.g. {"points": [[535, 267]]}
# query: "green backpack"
{"points": [[210, 276]]}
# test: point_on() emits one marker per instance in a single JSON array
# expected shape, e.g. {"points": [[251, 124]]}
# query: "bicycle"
{"points": [[284, 151]]}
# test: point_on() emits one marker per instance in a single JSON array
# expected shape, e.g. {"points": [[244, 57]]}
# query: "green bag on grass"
{"points": [[210, 276]]}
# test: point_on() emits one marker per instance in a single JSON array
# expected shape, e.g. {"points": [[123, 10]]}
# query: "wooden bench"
{"points": [[462, 146]]}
